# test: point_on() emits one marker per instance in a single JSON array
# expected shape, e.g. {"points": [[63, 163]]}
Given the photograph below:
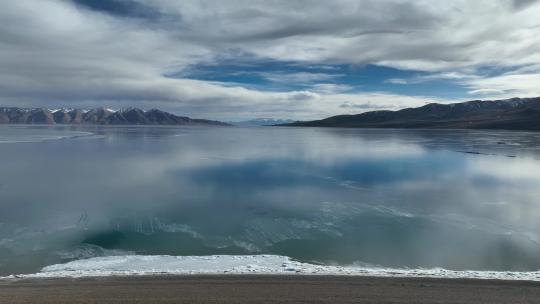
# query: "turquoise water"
{"points": [[410, 198]]}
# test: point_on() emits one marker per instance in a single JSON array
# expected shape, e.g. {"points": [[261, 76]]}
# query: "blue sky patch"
{"points": [[271, 75], [120, 8]]}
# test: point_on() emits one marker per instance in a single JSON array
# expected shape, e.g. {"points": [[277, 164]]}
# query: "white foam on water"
{"points": [[244, 264]]}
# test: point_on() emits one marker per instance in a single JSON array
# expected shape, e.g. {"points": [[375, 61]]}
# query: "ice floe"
{"points": [[245, 264]]}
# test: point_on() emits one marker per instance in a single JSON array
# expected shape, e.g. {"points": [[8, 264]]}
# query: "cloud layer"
{"points": [[120, 52]]}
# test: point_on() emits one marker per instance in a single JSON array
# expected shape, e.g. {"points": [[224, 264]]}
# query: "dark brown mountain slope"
{"points": [[510, 114]]}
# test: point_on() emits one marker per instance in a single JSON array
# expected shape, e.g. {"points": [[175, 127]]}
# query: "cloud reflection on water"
{"points": [[386, 197]]}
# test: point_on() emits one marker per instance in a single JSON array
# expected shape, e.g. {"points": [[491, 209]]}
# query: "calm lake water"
{"points": [[393, 198]]}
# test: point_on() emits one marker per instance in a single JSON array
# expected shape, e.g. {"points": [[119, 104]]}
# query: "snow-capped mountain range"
{"points": [[101, 116]]}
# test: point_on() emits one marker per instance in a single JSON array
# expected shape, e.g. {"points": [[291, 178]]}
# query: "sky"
{"points": [[235, 60]]}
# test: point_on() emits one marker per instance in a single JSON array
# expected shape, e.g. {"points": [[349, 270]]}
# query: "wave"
{"points": [[244, 264]]}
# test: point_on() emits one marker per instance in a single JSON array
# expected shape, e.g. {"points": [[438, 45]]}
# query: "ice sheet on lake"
{"points": [[21, 135], [249, 264]]}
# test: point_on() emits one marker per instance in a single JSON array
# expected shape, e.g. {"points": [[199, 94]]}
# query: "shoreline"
{"points": [[266, 288]]}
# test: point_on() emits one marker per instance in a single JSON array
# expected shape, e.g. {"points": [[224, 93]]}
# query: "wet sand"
{"points": [[266, 289]]}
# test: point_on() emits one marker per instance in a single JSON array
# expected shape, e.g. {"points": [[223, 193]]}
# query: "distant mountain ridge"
{"points": [[97, 116], [509, 114], [260, 122]]}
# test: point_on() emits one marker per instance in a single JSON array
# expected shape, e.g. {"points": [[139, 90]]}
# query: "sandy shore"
{"points": [[266, 288]]}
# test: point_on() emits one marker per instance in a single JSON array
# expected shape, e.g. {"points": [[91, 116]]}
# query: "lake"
{"points": [[459, 200]]}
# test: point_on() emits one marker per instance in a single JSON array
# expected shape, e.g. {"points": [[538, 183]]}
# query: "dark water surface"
{"points": [[393, 198]]}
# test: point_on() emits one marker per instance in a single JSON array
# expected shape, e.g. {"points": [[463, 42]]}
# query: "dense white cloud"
{"points": [[56, 52], [507, 85]]}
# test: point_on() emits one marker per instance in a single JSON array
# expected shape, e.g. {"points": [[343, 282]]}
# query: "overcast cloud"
{"points": [[119, 53]]}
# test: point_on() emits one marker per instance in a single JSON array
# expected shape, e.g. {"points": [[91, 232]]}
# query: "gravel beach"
{"points": [[266, 289]]}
